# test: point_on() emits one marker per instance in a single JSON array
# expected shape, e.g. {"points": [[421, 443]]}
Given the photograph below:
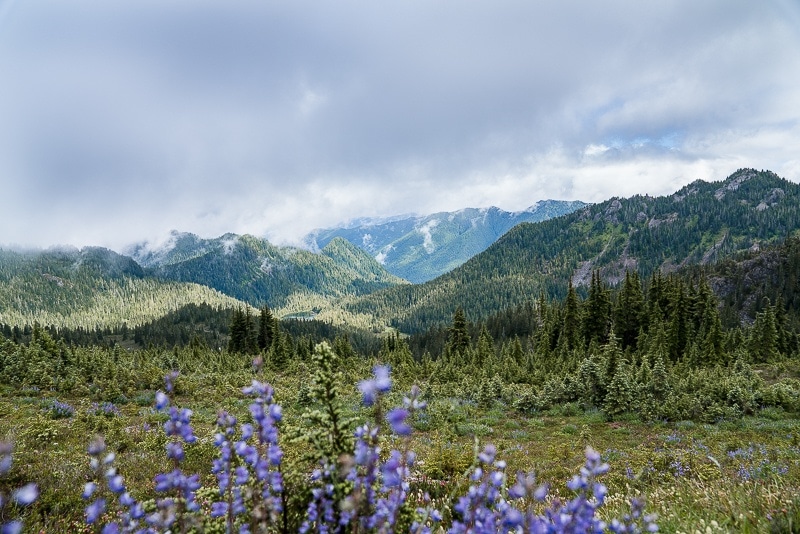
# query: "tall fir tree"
{"points": [[265, 329], [597, 316], [459, 335], [629, 312]]}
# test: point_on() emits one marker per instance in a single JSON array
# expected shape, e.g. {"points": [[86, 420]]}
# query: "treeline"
{"points": [[683, 313], [659, 350], [201, 324]]}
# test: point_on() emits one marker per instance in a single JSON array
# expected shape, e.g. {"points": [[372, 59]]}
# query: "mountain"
{"points": [[747, 282], [420, 248], [93, 287], [700, 224], [257, 272], [89, 287]]}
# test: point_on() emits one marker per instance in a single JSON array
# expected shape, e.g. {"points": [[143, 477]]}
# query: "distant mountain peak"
{"points": [[421, 247]]}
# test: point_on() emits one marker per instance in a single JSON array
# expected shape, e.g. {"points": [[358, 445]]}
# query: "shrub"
{"points": [[60, 410], [363, 489]]}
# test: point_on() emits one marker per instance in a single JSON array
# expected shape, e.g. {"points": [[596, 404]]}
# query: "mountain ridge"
{"points": [[419, 248], [701, 222]]}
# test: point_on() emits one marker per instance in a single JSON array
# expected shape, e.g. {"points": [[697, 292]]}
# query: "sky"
{"points": [[121, 121]]}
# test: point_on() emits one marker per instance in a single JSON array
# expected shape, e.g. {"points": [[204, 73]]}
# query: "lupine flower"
{"points": [[378, 490], [397, 420], [60, 410], [267, 458], [26, 494], [23, 496], [5, 457], [162, 401], [95, 510], [381, 383]]}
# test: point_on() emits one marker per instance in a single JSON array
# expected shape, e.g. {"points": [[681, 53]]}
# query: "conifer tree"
{"points": [[280, 350], [459, 336], [328, 429], [265, 329], [484, 351], [619, 396], [572, 319], [678, 331], [659, 387], [238, 332], [612, 356], [764, 336], [590, 376], [597, 316], [712, 347], [251, 334], [629, 313]]}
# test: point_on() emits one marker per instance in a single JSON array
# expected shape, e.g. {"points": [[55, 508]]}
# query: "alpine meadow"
{"points": [[626, 366], [399, 267]]}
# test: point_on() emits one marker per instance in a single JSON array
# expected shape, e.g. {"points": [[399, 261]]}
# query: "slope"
{"points": [[87, 288], [419, 249], [259, 273], [700, 224]]}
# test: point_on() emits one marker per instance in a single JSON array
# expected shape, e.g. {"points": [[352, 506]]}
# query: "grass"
{"points": [[736, 476]]}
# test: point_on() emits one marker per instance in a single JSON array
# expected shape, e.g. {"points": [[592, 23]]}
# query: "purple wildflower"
{"points": [[372, 388]]}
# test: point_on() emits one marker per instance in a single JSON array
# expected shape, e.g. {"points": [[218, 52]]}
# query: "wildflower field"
{"points": [[313, 449]]}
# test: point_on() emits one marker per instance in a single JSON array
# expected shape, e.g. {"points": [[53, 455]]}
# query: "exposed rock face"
{"points": [[733, 183], [771, 199], [754, 272], [671, 218]]}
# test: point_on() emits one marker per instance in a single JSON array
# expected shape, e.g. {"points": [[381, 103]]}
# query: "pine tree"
{"points": [[712, 347], [280, 351], [629, 313], [484, 351], [572, 319], [764, 336], [678, 331], [328, 429], [459, 336], [590, 376], [251, 335], [597, 316], [265, 329], [619, 396], [612, 356], [238, 330]]}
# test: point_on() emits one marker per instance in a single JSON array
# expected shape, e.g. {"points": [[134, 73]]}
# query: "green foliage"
{"points": [[256, 272], [327, 429], [87, 288], [699, 225]]}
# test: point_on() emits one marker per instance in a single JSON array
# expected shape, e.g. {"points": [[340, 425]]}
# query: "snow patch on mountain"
{"points": [[367, 242]]}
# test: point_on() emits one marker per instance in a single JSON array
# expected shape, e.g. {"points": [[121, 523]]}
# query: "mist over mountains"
{"points": [[482, 260]]}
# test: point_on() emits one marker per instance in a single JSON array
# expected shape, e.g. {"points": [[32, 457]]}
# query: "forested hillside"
{"points": [[97, 288], [90, 288], [700, 224], [257, 272]]}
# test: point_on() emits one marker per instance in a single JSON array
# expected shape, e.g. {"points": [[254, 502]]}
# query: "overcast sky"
{"points": [[120, 121]]}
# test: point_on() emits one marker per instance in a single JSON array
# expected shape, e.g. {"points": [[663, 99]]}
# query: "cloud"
{"points": [[121, 122]]}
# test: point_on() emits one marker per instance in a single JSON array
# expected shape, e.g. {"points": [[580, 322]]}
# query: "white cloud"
{"points": [[595, 150], [124, 121]]}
